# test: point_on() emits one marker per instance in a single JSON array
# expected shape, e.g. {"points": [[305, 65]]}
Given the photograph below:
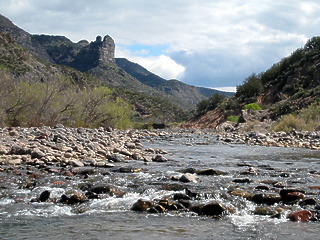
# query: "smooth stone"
{"points": [[159, 158], [213, 209], [37, 154], [291, 194], [209, 172], [241, 180], [266, 198], [76, 163], [241, 193], [16, 161], [141, 205], [188, 177], [100, 189], [300, 216], [44, 196]]}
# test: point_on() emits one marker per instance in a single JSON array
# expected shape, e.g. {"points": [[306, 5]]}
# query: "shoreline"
{"points": [[295, 139], [102, 147]]}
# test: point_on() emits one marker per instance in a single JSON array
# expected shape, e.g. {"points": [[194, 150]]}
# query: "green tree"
{"points": [[250, 88], [210, 104]]}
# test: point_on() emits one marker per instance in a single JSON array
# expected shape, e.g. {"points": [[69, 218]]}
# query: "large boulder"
{"points": [[249, 115]]}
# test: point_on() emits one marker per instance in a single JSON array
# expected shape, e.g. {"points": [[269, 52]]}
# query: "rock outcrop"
{"points": [[100, 51]]}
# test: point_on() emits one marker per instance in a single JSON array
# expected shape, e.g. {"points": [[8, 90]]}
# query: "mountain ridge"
{"points": [[97, 58]]}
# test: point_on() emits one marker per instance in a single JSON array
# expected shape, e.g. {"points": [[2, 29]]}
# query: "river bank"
{"points": [[137, 174], [296, 139]]}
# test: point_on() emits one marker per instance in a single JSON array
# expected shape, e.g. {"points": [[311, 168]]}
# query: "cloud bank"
{"points": [[212, 43]]}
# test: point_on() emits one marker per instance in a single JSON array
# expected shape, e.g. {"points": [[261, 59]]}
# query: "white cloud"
{"points": [[162, 65], [218, 42]]}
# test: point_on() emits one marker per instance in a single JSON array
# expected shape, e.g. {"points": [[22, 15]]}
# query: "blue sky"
{"points": [[211, 43]]}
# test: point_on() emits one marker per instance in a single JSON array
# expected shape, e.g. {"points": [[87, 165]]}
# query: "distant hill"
{"points": [[184, 92]]}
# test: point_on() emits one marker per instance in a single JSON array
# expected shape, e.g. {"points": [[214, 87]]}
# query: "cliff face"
{"points": [[83, 55], [94, 54]]}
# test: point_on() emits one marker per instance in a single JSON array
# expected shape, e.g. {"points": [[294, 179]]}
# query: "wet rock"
{"points": [[266, 198], [91, 195], [291, 194], [137, 156], [142, 205], [214, 209], [284, 175], [159, 158], [103, 164], [308, 201], [189, 170], [188, 177], [185, 203], [266, 210], [262, 187], [117, 157], [280, 184], [242, 180], [241, 193], [209, 172], [126, 170], [179, 196], [100, 189], [173, 187], [300, 216], [160, 208], [44, 196], [76, 198], [152, 210]]}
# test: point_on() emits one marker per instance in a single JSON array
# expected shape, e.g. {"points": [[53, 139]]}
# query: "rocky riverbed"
{"points": [[177, 172], [298, 139]]}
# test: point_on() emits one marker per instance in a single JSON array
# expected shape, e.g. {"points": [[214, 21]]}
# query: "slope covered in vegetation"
{"points": [[34, 92], [291, 86]]}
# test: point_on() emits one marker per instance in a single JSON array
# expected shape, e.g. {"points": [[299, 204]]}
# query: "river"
{"points": [[111, 217]]}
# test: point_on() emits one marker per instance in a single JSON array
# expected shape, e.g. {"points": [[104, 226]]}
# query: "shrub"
{"points": [[59, 101], [210, 104], [252, 106], [233, 118], [289, 122]]}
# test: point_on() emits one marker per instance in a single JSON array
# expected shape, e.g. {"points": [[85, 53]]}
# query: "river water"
{"points": [[111, 217]]}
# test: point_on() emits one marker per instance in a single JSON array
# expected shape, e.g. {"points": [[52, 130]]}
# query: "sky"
{"points": [[209, 43]]}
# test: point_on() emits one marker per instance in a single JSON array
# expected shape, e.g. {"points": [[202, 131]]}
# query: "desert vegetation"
{"points": [[289, 90], [60, 101]]}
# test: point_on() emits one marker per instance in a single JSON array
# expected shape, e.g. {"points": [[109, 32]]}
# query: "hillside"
{"points": [[186, 94], [34, 92], [97, 59], [288, 91], [41, 59]]}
